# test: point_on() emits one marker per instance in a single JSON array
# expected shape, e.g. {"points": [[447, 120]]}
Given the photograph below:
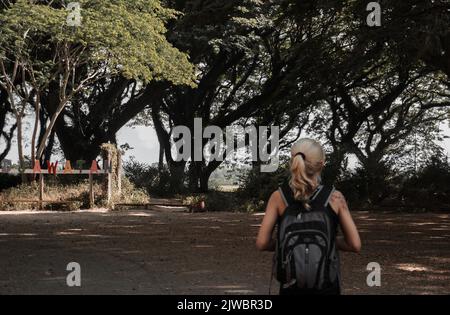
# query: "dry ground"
{"points": [[168, 251]]}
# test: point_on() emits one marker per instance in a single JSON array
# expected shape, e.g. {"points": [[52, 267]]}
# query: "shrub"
{"points": [[9, 181], [131, 194], [429, 187], [154, 180], [257, 187], [382, 188]]}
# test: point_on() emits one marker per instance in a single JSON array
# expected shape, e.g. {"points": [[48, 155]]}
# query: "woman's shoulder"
{"points": [[276, 196], [337, 201], [277, 199], [337, 195]]}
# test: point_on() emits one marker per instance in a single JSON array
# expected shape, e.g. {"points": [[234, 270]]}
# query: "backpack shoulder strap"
{"points": [[322, 197], [286, 194]]}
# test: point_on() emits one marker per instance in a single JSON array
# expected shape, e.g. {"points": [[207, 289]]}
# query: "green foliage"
{"points": [[131, 194], [429, 187], [257, 187], [367, 186], [120, 36], [273, 62], [147, 177], [8, 181]]}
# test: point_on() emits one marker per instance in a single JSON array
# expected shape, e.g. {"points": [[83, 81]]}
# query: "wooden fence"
{"points": [[52, 169]]}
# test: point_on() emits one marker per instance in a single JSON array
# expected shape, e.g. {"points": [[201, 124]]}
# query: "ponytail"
{"points": [[301, 184], [306, 165]]}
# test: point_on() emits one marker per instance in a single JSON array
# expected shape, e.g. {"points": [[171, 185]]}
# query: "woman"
{"points": [[307, 162]]}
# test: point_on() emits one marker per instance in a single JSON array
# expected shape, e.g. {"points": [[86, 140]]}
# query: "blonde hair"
{"points": [[307, 161]]}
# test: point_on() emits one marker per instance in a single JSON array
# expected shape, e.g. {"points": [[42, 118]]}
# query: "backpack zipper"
{"points": [[307, 254]]}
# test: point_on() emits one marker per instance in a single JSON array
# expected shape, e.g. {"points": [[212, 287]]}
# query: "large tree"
{"points": [[59, 62], [6, 128], [256, 62], [371, 68]]}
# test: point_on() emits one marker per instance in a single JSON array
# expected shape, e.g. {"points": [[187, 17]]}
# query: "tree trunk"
{"points": [[49, 128], [206, 174], [20, 147], [194, 176], [376, 175], [204, 181], [177, 176], [176, 169], [37, 108], [161, 157], [333, 169], [6, 135], [48, 152]]}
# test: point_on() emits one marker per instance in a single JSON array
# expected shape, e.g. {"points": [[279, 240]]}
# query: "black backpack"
{"points": [[306, 256]]}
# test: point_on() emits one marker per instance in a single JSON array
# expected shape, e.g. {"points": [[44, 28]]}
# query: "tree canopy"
{"points": [[309, 66], [114, 38]]}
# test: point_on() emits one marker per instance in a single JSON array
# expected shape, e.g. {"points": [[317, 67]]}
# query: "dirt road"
{"points": [[167, 251]]}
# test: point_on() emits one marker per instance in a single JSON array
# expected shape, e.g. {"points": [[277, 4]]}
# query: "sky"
{"points": [[144, 142]]}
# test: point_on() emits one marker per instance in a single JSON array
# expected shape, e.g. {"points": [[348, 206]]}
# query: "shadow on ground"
{"points": [[168, 251]]}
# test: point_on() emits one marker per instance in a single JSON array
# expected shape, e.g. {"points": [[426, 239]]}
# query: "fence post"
{"points": [[109, 178], [119, 173], [91, 191], [41, 191], [110, 185]]}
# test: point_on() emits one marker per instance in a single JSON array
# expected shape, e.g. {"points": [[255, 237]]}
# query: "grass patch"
{"points": [[66, 196]]}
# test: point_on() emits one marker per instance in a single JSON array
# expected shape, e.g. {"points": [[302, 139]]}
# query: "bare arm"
{"points": [[351, 241], [264, 240]]}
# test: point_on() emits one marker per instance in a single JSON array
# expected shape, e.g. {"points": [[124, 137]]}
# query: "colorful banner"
{"points": [[7, 167]]}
